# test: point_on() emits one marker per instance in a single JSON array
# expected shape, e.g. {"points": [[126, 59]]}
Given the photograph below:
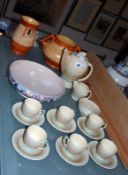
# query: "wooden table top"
{"points": [[113, 104]]}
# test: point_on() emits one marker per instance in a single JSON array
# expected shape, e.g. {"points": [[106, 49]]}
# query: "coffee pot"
{"points": [[75, 67]]}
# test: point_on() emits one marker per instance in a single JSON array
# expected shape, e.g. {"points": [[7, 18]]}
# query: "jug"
{"points": [[75, 67], [52, 47], [24, 35]]}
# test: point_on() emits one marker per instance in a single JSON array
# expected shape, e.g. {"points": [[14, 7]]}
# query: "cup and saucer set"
{"points": [[29, 112], [73, 149], [31, 143], [62, 119], [90, 123], [92, 126], [103, 153]]}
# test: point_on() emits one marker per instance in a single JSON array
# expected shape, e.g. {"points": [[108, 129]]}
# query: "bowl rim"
{"points": [[21, 87]]}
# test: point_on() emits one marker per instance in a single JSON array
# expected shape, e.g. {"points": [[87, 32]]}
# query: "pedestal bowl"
{"points": [[34, 80]]}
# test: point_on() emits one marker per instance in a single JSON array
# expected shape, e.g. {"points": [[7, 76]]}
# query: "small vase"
{"points": [[24, 35]]}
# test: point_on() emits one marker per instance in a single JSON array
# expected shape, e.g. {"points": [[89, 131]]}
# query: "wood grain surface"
{"points": [[113, 104]]}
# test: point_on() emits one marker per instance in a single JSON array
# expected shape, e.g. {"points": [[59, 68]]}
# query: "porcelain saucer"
{"points": [[68, 128], [111, 164], [16, 111], [16, 137], [81, 125], [62, 153]]}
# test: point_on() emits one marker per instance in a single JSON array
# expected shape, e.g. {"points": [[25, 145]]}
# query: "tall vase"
{"points": [[24, 35]]}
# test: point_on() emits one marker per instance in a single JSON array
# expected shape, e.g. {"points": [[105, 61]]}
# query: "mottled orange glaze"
{"points": [[24, 35], [18, 48]]}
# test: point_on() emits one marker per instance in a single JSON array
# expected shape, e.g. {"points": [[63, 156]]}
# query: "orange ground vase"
{"points": [[24, 35]]}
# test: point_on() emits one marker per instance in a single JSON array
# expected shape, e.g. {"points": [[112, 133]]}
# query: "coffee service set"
{"points": [[32, 142]]}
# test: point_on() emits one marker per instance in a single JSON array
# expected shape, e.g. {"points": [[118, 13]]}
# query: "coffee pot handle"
{"points": [[89, 73]]}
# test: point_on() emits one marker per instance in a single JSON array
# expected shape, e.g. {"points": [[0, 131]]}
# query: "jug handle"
{"points": [[89, 74], [49, 37]]}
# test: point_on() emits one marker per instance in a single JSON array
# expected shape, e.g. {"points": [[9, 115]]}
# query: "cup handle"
{"points": [[41, 112], [89, 94], [89, 73], [104, 126], [45, 146], [65, 140]]}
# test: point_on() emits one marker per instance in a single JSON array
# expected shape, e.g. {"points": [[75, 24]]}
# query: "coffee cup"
{"points": [[80, 90], [105, 149], [64, 114], [34, 140], [75, 144], [87, 107], [31, 108], [94, 123]]}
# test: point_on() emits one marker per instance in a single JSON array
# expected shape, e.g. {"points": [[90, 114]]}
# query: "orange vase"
{"points": [[52, 47], [24, 35]]}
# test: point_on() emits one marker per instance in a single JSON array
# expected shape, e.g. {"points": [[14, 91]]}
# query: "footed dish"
{"points": [[34, 80]]}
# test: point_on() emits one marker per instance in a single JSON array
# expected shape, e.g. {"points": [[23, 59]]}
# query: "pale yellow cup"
{"points": [[64, 114], [31, 107]]}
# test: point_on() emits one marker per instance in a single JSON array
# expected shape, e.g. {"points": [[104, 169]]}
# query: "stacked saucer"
{"points": [[67, 128], [105, 163], [91, 134], [25, 151], [17, 113], [76, 160]]}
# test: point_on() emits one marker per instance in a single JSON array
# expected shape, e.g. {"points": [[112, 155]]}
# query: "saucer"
{"points": [[68, 128], [61, 151], [15, 142], [92, 152], [81, 125], [16, 111]]}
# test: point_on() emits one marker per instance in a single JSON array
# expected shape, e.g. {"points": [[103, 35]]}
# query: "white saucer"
{"points": [[68, 128], [92, 152], [15, 142], [16, 111], [61, 151], [81, 125]]}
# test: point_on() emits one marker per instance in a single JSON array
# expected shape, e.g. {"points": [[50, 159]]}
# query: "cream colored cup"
{"points": [[31, 107], [80, 90], [106, 148], [75, 144], [87, 107], [94, 122], [64, 114], [35, 137]]}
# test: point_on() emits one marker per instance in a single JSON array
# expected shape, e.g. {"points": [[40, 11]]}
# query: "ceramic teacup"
{"points": [[64, 115], [74, 146], [34, 139], [80, 90], [31, 108], [87, 107], [105, 150], [94, 123]]}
